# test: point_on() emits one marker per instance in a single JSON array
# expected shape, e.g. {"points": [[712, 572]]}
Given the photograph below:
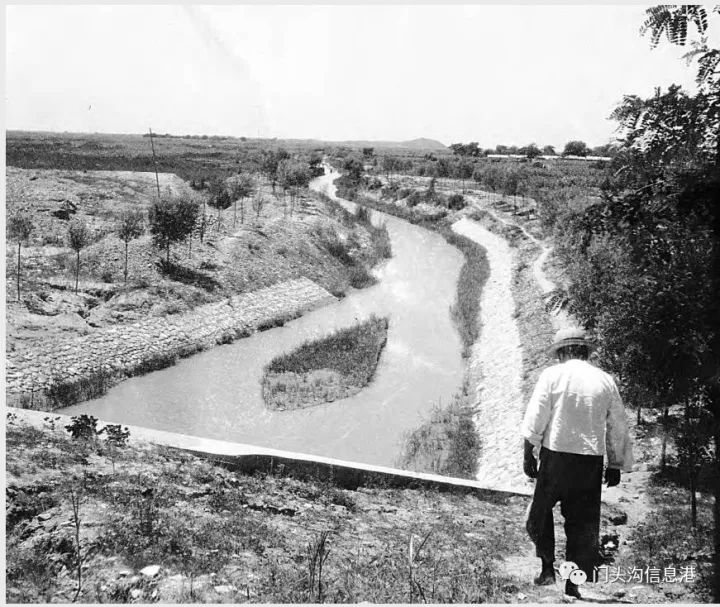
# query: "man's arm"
{"points": [[618, 444], [537, 416]]}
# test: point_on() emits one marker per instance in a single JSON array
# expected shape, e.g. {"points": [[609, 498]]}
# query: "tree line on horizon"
{"points": [[532, 150]]}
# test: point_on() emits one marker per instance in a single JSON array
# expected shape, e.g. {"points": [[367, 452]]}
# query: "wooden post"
{"points": [[157, 179]]}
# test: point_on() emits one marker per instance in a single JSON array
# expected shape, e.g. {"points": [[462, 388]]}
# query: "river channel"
{"points": [[217, 393]]}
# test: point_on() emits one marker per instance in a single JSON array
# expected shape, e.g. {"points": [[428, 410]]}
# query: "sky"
{"points": [[494, 74]]}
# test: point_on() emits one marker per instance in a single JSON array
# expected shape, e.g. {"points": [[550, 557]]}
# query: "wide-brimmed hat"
{"points": [[571, 336]]}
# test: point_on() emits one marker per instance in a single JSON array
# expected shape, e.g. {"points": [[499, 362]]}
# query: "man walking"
{"points": [[575, 417]]}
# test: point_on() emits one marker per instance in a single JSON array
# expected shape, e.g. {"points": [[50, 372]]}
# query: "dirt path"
{"points": [[559, 318], [495, 367]]}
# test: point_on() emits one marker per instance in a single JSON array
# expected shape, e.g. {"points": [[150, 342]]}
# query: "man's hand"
{"points": [[612, 476], [529, 462]]}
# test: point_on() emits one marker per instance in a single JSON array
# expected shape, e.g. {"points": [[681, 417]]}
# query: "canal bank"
{"points": [[217, 393], [61, 372]]}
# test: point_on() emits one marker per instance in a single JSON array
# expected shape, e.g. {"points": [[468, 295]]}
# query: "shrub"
{"points": [[447, 443], [362, 214], [456, 202], [330, 240], [83, 427], [116, 435], [414, 199]]}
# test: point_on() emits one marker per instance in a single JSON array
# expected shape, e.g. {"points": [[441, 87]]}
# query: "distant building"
{"points": [[522, 157]]}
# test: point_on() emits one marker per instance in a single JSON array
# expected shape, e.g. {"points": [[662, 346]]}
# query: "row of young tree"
{"points": [[79, 236], [572, 148], [172, 219]]}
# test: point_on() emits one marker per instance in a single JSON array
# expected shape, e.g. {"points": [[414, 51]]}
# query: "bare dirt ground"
{"points": [[160, 526]]}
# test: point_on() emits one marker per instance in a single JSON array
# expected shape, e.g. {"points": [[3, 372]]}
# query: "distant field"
{"points": [[187, 157], [184, 157]]}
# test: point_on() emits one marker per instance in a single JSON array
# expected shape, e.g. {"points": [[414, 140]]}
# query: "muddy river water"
{"points": [[217, 393]]}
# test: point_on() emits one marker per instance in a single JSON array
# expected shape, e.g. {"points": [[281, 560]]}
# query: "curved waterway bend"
{"points": [[217, 393]]}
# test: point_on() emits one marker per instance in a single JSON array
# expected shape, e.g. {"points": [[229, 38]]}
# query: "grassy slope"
{"points": [[262, 251], [350, 356], [237, 537]]}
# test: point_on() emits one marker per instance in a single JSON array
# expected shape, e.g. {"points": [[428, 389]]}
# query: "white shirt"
{"points": [[576, 408]]}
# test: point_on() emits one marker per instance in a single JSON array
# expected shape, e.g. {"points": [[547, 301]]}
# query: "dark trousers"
{"points": [[576, 482]]}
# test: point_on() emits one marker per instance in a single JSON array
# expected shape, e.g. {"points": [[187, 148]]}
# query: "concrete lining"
{"points": [[251, 458]]}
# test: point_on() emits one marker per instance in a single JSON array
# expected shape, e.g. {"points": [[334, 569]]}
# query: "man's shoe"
{"points": [[546, 577], [572, 589]]}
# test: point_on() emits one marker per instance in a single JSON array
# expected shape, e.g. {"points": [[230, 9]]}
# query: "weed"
{"points": [[318, 552], [446, 444], [31, 573], [473, 275], [75, 503], [64, 393]]}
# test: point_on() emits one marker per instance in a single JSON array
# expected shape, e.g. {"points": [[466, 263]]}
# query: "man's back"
{"points": [[573, 407]]}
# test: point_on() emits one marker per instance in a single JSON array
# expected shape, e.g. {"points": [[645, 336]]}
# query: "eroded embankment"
{"points": [[61, 371]]}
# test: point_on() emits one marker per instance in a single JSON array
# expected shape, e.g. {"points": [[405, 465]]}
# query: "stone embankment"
{"points": [[122, 351]]}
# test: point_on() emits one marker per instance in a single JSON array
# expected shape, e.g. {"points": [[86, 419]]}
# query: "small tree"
{"points": [[172, 220], [575, 148], [19, 227], [479, 175], [292, 176], [219, 199], [241, 187], [530, 151], [258, 203], [430, 193], [270, 161], [464, 170], [693, 445], [129, 228], [511, 184], [78, 239], [389, 166], [299, 178]]}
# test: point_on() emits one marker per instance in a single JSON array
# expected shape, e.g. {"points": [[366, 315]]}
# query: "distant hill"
{"points": [[423, 144]]}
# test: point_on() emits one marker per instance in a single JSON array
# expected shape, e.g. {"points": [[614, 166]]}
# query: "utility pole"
{"points": [[157, 179]]}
